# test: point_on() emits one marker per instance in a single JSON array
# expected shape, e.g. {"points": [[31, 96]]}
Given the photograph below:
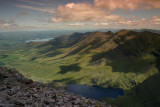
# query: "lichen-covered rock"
{"points": [[18, 91]]}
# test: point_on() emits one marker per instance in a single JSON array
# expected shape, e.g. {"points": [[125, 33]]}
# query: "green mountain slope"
{"points": [[146, 94], [122, 60]]}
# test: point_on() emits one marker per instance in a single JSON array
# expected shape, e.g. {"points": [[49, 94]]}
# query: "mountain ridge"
{"points": [[121, 60]]}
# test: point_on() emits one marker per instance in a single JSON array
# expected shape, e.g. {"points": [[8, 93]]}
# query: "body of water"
{"points": [[95, 92], [39, 40]]}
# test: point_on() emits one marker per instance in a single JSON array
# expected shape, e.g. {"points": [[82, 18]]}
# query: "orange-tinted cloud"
{"points": [[100, 11], [155, 20], [102, 24], [83, 12], [127, 4], [5, 25], [2, 21], [23, 13]]}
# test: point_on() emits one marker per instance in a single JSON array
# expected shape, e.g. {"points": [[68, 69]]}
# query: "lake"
{"points": [[95, 92], [39, 40]]}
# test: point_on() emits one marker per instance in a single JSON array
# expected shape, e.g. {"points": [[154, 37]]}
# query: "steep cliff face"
{"points": [[18, 91]]}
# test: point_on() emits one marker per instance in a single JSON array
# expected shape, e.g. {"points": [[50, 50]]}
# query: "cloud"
{"points": [[5, 22], [153, 22], [83, 12], [151, 3], [100, 10], [23, 13], [103, 24], [77, 24], [127, 4], [5, 25], [32, 2], [133, 17], [42, 20], [37, 9], [2, 21]]}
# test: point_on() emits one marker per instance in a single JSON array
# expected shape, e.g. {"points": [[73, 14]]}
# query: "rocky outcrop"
{"points": [[18, 91]]}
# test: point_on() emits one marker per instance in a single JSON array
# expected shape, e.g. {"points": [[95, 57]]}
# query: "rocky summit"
{"points": [[18, 91]]}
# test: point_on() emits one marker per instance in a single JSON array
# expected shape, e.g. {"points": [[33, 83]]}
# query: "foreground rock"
{"points": [[18, 91]]}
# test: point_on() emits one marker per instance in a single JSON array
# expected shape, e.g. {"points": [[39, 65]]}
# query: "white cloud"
{"points": [[153, 22], [32, 2], [77, 24], [37, 9]]}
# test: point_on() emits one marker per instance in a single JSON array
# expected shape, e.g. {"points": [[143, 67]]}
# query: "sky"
{"points": [[18, 15]]}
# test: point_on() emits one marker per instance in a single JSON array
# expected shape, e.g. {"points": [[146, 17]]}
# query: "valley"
{"points": [[125, 60], [106, 59]]}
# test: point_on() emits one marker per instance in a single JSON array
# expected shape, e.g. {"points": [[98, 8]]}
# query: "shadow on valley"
{"points": [[54, 53], [86, 48], [65, 80], [62, 42], [69, 68], [157, 55], [132, 55], [53, 46], [69, 80]]}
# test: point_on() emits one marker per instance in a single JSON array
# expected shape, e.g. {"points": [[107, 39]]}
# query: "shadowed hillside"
{"points": [[133, 53], [120, 60], [146, 94]]}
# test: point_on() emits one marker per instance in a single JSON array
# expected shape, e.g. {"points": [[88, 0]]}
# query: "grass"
{"points": [[61, 70], [119, 66], [145, 94], [120, 72]]}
